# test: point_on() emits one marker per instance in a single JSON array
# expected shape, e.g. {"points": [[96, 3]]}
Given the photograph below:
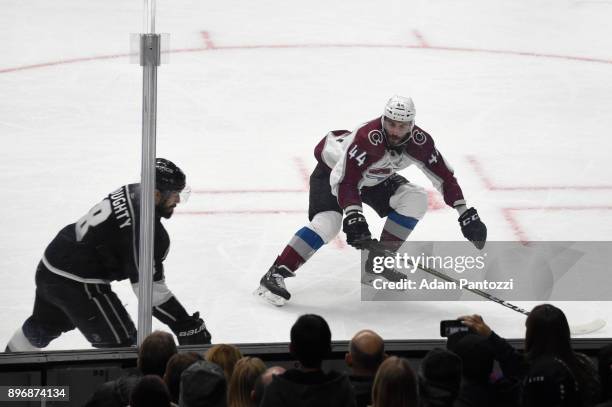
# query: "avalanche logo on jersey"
{"points": [[375, 137], [418, 137]]}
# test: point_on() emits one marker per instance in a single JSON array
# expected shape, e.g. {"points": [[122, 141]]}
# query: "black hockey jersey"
{"points": [[103, 245]]}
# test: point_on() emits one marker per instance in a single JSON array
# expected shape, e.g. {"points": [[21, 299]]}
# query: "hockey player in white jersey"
{"points": [[361, 167]]}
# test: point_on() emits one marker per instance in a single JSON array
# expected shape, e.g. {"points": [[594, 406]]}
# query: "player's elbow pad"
{"points": [[161, 292]]}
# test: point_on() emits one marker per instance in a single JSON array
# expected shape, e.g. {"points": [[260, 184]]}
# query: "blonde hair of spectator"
{"points": [[395, 384], [225, 356], [242, 382]]}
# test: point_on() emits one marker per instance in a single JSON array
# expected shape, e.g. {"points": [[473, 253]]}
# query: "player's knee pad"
{"points": [[40, 334], [410, 200], [326, 224]]}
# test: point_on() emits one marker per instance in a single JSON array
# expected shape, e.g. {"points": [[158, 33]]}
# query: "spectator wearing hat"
{"points": [[203, 385], [175, 367], [309, 385]]}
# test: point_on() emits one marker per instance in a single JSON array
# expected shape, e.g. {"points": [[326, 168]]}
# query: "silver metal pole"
{"points": [[149, 59], [149, 16]]}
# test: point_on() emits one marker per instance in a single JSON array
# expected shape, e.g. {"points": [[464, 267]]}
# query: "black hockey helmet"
{"points": [[168, 177]]}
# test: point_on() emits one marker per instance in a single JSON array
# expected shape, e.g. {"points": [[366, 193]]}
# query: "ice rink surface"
{"points": [[517, 95]]}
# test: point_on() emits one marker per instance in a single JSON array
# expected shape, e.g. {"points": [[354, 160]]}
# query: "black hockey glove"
{"points": [[472, 228], [356, 228], [191, 330]]}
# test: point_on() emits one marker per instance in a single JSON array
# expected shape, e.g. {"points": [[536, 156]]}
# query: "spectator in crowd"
{"points": [[550, 383], [156, 351], [225, 356], [203, 385], [242, 383], [150, 391], [309, 385], [263, 381], [604, 359], [153, 355], [366, 353], [439, 378], [176, 365], [395, 384], [547, 335], [477, 365]]}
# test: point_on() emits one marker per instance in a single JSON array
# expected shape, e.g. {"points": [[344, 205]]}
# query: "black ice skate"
{"points": [[388, 274], [272, 285]]}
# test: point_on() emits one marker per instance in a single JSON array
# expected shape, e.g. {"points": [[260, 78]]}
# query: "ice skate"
{"points": [[272, 285]]}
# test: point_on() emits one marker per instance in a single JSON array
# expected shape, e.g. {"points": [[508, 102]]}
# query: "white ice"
{"points": [[517, 95]]}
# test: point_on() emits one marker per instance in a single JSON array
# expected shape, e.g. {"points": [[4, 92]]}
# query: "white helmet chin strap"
{"points": [[404, 141]]}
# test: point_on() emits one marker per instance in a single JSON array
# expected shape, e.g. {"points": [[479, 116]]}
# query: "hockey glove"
{"points": [[191, 330], [356, 228], [472, 228]]}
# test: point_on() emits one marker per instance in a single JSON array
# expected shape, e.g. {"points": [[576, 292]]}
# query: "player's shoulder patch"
{"points": [[375, 137], [418, 136]]}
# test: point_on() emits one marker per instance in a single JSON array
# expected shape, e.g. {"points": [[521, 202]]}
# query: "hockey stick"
{"points": [[581, 329]]}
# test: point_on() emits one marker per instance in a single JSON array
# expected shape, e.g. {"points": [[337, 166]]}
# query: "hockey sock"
{"points": [[301, 247], [20, 343], [397, 229]]}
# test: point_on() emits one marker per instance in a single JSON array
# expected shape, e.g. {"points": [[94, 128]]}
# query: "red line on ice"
{"points": [[241, 212], [208, 42], [490, 185], [249, 191], [421, 39], [210, 46], [563, 208], [516, 226]]}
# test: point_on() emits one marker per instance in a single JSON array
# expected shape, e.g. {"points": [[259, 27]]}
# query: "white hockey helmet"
{"points": [[400, 108]]}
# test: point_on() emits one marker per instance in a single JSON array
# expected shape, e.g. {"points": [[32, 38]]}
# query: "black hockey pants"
{"points": [[62, 304]]}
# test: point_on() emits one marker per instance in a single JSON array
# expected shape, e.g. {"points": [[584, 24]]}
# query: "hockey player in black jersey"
{"points": [[73, 277]]}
